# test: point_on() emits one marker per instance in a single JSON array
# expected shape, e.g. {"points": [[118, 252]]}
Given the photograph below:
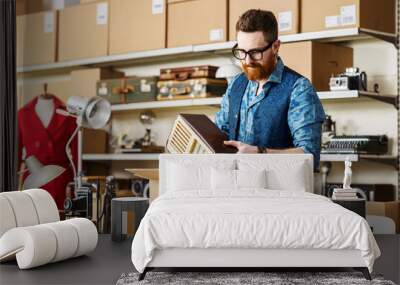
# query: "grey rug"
{"points": [[242, 278]]}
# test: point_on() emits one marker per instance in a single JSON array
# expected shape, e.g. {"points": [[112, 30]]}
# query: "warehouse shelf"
{"points": [[385, 159], [167, 104], [353, 94], [120, 156], [110, 60], [325, 95]]}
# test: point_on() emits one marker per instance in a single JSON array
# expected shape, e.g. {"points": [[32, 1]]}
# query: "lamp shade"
{"points": [[40, 174], [94, 112], [228, 71]]}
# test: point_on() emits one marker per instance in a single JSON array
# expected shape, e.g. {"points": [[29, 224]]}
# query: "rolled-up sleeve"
{"points": [[222, 116], [305, 117]]}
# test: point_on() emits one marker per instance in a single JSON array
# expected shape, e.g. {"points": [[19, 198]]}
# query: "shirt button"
{"points": [[37, 144]]}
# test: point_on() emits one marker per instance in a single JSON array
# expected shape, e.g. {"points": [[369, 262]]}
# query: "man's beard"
{"points": [[255, 71]]}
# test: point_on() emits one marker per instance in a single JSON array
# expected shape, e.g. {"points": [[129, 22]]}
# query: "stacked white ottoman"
{"points": [[31, 230]]}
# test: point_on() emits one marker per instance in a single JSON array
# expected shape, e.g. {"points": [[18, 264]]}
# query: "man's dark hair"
{"points": [[254, 20]]}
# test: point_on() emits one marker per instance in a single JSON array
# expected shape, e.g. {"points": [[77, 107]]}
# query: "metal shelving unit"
{"points": [[167, 104], [198, 50], [120, 156], [355, 94], [325, 95], [385, 159]]}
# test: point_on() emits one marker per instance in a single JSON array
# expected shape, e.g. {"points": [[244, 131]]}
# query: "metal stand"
{"points": [[364, 271], [143, 274]]}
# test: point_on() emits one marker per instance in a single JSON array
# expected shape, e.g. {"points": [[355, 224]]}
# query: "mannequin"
{"points": [[42, 132], [44, 109]]}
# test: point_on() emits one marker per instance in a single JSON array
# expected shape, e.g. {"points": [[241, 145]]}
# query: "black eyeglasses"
{"points": [[255, 54]]}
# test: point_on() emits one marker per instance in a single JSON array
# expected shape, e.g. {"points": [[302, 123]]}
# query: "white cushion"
{"points": [[251, 178], [223, 179], [87, 235], [186, 174], [230, 180], [45, 206], [33, 246], [284, 174], [7, 218], [23, 208], [67, 240], [40, 244]]}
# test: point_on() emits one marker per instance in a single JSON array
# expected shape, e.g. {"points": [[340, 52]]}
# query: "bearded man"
{"points": [[268, 108]]}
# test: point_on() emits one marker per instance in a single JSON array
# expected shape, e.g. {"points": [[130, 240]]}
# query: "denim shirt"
{"points": [[304, 116]]}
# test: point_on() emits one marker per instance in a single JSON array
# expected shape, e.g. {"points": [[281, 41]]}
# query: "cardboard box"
{"points": [[36, 38], [287, 13], [59, 4], [84, 81], [83, 31], [94, 141], [197, 22], [340, 14], [387, 209], [152, 174], [29, 90], [24, 7], [316, 61], [137, 25]]}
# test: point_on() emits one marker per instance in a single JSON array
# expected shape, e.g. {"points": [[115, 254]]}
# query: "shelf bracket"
{"points": [[393, 100], [387, 37], [387, 161]]}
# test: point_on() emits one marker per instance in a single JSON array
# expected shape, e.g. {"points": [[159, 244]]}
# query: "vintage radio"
{"points": [[184, 73], [196, 133], [128, 89], [357, 144], [192, 88]]}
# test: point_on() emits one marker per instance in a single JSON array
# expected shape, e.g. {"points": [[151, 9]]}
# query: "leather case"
{"points": [[184, 73], [128, 89], [192, 88]]}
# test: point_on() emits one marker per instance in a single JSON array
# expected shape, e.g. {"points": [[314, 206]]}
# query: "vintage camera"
{"points": [[139, 187], [351, 79], [82, 204]]}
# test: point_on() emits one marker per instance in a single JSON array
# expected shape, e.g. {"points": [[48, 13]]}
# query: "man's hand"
{"points": [[242, 147]]}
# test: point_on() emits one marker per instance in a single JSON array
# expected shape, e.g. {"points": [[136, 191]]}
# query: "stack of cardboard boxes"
{"points": [[99, 28]]}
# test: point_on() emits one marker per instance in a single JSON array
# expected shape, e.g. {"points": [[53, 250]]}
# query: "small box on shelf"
{"points": [[340, 14], [36, 38], [137, 25], [83, 31], [287, 13], [316, 61], [192, 22]]}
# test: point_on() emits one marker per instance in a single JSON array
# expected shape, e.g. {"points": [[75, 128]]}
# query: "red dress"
{"points": [[48, 144]]}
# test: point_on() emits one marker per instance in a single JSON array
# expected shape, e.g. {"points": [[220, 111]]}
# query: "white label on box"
{"points": [[157, 6], [48, 23], [144, 86], [348, 15], [103, 90], [216, 35], [58, 4], [332, 21], [102, 14], [285, 21]]}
